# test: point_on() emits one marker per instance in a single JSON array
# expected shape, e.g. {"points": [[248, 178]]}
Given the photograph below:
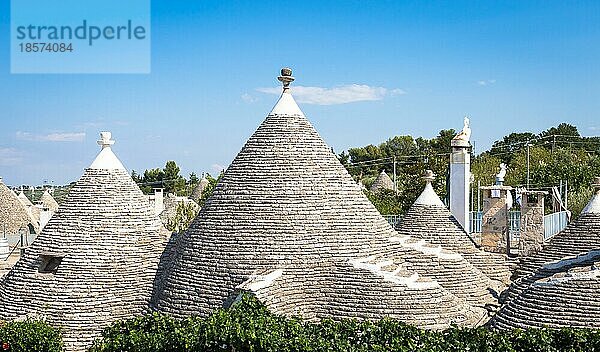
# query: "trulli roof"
{"points": [[13, 214], [106, 241], [428, 218], [287, 222], [382, 182]]}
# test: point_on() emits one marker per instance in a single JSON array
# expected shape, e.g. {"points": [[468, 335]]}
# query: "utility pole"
{"points": [[395, 185], [553, 143], [527, 164], [566, 191], [479, 195]]}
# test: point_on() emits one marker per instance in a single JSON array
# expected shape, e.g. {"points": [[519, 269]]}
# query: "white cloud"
{"points": [[248, 98], [337, 95], [217, 168], [486, 82], [9, 156], [52, 137]]}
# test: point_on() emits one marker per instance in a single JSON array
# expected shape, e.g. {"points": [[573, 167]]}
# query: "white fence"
{"points": [[555, 223]]}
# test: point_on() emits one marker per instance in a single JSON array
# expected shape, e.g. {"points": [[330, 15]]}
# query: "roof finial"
{"points": [[286, 78], [105, 140], [428, 176]]}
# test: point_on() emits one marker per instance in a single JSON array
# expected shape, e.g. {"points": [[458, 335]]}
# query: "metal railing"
{"points": [[514, 222], [514, 225], [19, 241], [555, 223], [475, 221]]}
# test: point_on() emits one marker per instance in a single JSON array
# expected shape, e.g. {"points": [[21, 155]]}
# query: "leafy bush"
{"points": [[29, 336], [249, 326]]}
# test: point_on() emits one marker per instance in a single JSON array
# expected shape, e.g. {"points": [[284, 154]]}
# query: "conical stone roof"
{"points": [[561, 294], [197, 192], [33, 211], [287, 207], [576, 243], [13, 214], [429, 219], [94, 262], [24, 200], [382, 182], [581, 236], [48, 201]]}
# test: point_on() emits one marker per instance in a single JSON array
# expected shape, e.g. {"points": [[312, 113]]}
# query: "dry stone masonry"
{"points": [[94, 262], [559, 286], [429, 219], [531, 238], [48, 202], [14, 216], [382, 182], [287, 223], [494, 224]]}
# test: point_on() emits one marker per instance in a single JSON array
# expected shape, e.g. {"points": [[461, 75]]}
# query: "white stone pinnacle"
{"points": [[106, 159], [428, 196]]}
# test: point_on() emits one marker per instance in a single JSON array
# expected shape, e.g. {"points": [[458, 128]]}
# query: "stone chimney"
{"points": [[494, 223], [531, 238]]}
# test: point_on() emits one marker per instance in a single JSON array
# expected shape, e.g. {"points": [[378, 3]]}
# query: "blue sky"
{"points": [[376, 68]]}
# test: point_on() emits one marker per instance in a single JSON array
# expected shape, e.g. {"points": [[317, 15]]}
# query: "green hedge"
{"points": [[29, 336], [249, 326]]}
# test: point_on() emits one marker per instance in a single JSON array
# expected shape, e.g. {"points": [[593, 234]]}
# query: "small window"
{"points": [[49, 263], [495, 193]]}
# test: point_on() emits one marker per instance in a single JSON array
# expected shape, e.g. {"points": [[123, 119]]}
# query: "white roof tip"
{"points": [[106, 159], [429, 197], [593, 207], [286, 105]]}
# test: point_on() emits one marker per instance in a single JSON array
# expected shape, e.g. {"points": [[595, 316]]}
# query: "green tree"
{"points": [[210, 188], [173, 182]]}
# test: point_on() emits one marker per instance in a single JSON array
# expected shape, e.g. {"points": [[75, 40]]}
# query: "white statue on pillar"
{"points": [[463, 137], [500, 176]]}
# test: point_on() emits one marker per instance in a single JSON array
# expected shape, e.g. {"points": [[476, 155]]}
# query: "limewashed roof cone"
{"points": [[95, 261], [288, 224]]}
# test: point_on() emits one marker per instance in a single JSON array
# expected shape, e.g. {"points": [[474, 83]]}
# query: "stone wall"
{"points": [[532, 224], [495, 219]]}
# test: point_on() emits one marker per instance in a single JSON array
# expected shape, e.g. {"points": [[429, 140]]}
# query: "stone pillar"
{"points": [[494, 224], [460, 175], [532, 222]]}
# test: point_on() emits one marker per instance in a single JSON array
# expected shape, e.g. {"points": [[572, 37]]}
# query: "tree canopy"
{"points": [[557, 154]]}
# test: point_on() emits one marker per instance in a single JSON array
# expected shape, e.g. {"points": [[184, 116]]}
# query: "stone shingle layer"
{"points": [[108, 243], [429, 219], [558, 286], [13, 214], [287, 207]]}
